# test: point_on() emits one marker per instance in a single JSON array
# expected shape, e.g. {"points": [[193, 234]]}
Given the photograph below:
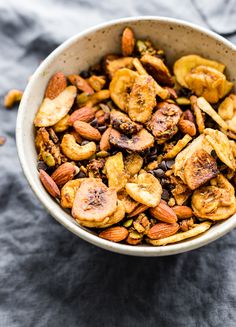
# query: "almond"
{"points": [[80, 83], [87, 131], [49, 184], [85, 114], [63, 173], [164, 213], [56, 85], [162, 230], [114, 234], [139, 209], [77, 137], [127, 42], [183, 212], [105, 140]]}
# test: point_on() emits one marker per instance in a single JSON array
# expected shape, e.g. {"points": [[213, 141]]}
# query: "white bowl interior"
{"points": [[78, 53]]}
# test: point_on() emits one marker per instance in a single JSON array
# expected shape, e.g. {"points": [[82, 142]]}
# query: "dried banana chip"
{"points": [[114, 168], [51, 111], [142, 99], [207, 108], [215, 202], [94, 201], [220, 142], [123, 123], [198, 229], [178, 147], [68, 192], [121, 85], [226, 109], [133, 163], [147, 190], [113, 63], [185, 64], [198, 114], [199, 169], [128, 202]]}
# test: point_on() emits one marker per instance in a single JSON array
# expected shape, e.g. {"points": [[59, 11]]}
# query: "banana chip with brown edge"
{"points": [[51, 112], [185, 64], [214, 202], [199, 168], [208, 82], [121, 85], [142, 99], [156, 67], [220, 142], [147, 190], [68, 192], [163, 123], [115, 171], [94, 201], [115, 218], [133, 163], [197, 144], [178, 147], [128, 202], [112, 63], [207, 108], [197, 230], [138, 142]]}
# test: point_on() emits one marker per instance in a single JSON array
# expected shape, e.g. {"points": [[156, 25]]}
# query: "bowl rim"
{"points": [[52, 206]]}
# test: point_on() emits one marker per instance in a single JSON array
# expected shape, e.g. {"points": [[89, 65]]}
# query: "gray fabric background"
{"points": [[49, 277]]}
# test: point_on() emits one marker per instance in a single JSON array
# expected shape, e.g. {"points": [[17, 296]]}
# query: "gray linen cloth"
{"points": [[48, 276]]}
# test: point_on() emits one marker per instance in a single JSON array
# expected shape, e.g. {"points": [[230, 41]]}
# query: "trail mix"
{"points": [[139, 151]]}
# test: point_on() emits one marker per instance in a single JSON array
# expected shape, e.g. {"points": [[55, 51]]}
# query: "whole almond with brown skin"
{"points": [[56, 85], [63, 173], [162, 230], [139, 209], [127, 42], [87, 131], [105, 140], [49, 184], [85, 114], [164, 213], [80, 83], [114, 234], [183, 212]]}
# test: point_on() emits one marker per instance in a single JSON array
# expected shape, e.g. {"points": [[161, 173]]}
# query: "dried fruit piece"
{"points": [[114, 234], [94, 201], [199, 169], [142, 99], [49, 184], [113, 63], [178, 147], [147, 190], [221, 145], [226, 109], [163, 123], [185, 64], [139, 67], [133, 163], [127, 42], [186, 126], [87, 131], [121, 85], [162, 230], [123, 123], [164, 213], [97, 82], [51, 111], [183, 212], [138, 142], [62, 125], [105, 140], [63, 173], [85, 114], [75, 151], [68, 192], [198, 229], [128, 202], [114, 168], [56, 85], [97, 98], [12, 97], [80, 83], [156, 67], [215, 202], [198, 114], [207, 108]]}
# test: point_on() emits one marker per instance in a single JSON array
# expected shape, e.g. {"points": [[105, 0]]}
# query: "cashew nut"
{"points": [[75, 151]]}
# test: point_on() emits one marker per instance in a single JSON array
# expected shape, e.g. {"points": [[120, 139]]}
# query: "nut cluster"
{"points": [[139, 151]]}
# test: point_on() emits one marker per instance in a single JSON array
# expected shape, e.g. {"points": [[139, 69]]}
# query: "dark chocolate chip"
{"points": [[152, 158], [102, 128], [151, 172], [164, 181], [165, 195], [163, 166], [42, 165], [94, 122], [159, 172], [81, 175], [85, 74], [169, 163]]}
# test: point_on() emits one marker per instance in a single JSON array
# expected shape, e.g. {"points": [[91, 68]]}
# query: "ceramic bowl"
{"points": [[177, 38]]}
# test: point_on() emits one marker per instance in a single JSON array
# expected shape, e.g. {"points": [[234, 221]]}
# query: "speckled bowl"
{"points": [[177, 38]]}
